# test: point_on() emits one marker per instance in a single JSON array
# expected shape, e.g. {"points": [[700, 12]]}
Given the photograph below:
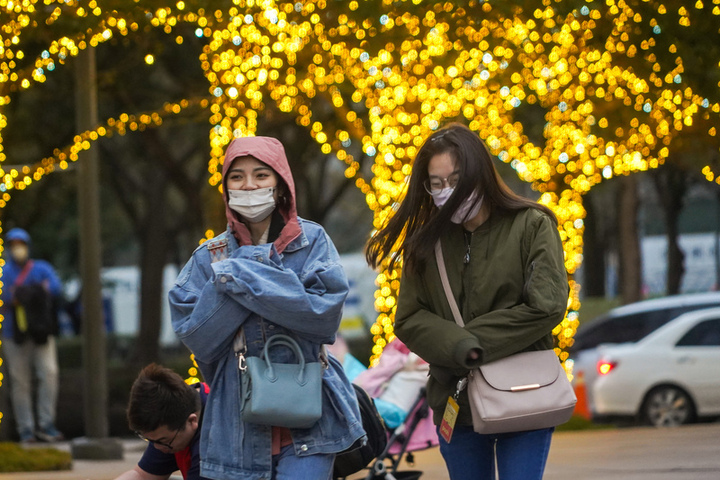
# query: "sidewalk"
{"points": [[87, 469], [639, 453]]}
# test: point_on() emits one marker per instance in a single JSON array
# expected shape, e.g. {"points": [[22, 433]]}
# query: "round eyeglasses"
{"points": [[434, 185]]}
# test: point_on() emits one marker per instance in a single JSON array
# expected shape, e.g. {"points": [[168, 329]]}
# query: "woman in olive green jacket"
{"points": [[504, 260]]}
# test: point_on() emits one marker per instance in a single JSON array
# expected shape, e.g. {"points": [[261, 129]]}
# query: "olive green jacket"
{"points": [[511, 294]]}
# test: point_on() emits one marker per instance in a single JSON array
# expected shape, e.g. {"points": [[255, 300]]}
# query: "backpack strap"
{"points": [[20, 279]]}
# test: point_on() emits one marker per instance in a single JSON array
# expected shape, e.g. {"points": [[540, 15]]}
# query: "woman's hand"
{"points": [[473, 355]]}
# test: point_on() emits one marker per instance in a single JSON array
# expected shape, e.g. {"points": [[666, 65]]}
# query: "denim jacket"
{"points": [[299, 293]]}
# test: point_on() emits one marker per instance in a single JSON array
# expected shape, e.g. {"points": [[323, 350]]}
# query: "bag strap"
{"points": [[462, 383], [20, 279], [240, 348], [446, 284]]}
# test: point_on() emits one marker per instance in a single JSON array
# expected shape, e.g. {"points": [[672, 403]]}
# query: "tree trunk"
{"points": [[671, 185], [595, 247], [630, 271], [676, 257], [154, 246]]}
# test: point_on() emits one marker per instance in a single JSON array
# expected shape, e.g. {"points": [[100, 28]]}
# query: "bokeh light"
{"points": [[569, 93]]}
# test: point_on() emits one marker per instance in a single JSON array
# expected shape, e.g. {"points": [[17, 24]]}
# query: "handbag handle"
{"points": [[446, 284], [284, 340], [240, 349]]}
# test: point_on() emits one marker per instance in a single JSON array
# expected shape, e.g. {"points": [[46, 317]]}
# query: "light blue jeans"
{"points": [[288, 466], [22, 360], [518, 455]]}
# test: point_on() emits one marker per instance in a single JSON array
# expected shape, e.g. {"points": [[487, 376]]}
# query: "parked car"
{"points": [[668, 378], [627, 324]]}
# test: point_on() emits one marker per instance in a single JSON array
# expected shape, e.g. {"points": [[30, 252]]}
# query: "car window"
{"points": [[705, 334], [627, 328]]}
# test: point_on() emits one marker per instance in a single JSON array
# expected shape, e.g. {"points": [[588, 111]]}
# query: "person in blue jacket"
{"points": [[271, 272], [29, 326]]}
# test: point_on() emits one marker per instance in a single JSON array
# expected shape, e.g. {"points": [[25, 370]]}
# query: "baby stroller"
{"points": [[397, 386], [403, 441]]}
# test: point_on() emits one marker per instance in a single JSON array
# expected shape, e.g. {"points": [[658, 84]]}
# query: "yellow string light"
{"points": [[395, 73]]}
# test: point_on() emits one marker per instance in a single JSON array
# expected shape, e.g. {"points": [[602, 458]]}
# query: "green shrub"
{"points": [[14, 458], [592, 307], [577, 422]]}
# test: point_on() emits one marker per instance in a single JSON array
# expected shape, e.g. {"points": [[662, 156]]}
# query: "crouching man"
{"points": [[166, 412]]}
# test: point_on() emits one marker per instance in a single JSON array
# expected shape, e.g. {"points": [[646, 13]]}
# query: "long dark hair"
{"points": [[417, 223]]}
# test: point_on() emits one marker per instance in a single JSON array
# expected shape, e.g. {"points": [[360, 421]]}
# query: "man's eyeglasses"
{"points": [[157, 442], [434, 185]]}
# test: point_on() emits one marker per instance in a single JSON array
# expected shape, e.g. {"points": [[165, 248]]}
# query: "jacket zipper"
{"points": [[468, 241]]}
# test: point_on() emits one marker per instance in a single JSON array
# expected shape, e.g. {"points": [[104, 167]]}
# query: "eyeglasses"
{"points": [[434, 185], [157, 442]]}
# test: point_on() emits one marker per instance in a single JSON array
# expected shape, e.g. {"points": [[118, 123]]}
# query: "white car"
{"points": [[626, 324], [670, 377]]}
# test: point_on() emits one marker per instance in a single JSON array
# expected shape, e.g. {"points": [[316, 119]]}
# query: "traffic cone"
{"points": [[581, 407]]}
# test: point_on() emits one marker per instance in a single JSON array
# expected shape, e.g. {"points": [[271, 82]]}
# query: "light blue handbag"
{"points": [[281, 394]]}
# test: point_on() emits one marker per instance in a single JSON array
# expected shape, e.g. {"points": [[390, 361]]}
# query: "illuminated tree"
{"points": [[610, 81]]}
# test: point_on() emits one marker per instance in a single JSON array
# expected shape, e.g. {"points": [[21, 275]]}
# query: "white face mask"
{"points": [[253, 205], [442, 196], [467, 210], [464, 211], [20, 252]]}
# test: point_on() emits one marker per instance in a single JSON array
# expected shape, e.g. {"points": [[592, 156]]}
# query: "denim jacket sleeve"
{"points": [[303, 290], [203, 317]]}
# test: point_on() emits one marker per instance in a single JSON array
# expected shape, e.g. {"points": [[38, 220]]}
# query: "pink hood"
{"points": [[270, 151]]}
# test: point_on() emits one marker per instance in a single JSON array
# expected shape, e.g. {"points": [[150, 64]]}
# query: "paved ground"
{"points": [[686, 453]]}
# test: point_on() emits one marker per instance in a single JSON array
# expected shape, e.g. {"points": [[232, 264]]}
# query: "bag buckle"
{"points": [[240, 347], [461, 384], [242, 365]]}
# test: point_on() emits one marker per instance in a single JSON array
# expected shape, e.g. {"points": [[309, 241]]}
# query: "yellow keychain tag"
{"points": [[21, 318], [447, 425]]}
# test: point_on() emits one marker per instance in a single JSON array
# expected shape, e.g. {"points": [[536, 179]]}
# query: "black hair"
{"points": [[417, 224], [160, 397]]}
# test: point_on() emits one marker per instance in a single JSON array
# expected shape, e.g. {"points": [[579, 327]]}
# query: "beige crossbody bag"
{"points": [[525, 391]]}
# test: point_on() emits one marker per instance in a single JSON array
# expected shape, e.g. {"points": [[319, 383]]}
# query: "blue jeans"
{"points": [[288, 466], [518, 455]]}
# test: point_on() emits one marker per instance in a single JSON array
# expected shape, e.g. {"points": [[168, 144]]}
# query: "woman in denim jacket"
{"points": [[270, 273]]}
